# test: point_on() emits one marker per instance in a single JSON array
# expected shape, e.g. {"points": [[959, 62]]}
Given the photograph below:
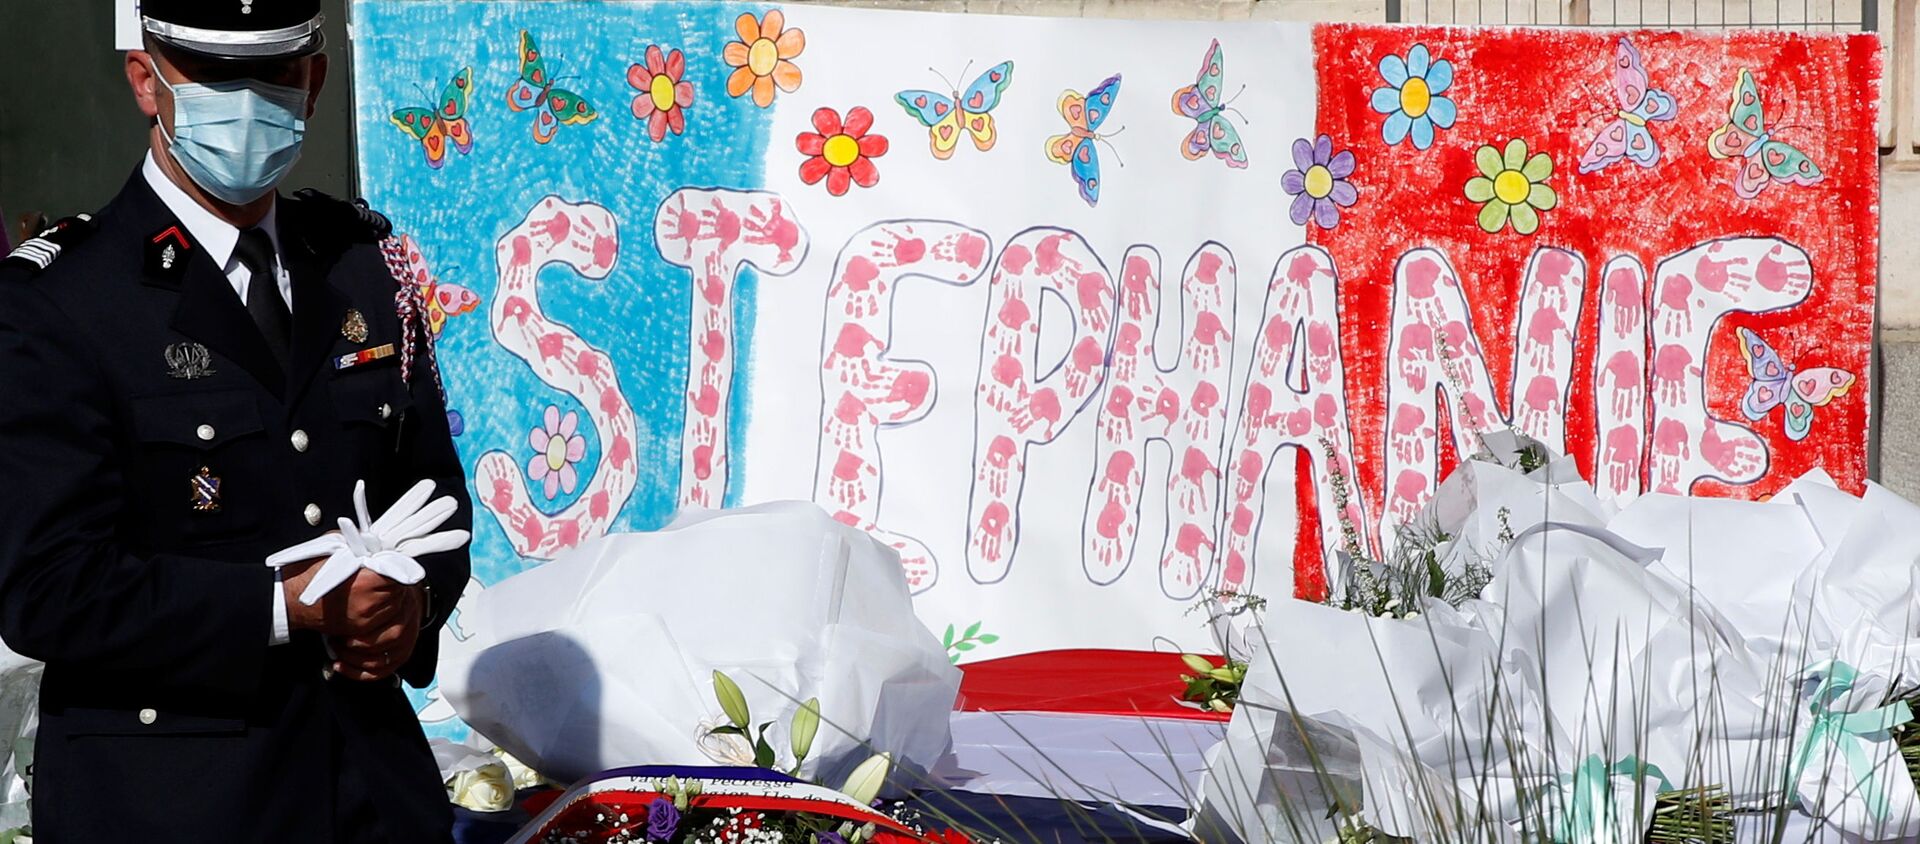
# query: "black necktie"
{"points": [[269, 311]]}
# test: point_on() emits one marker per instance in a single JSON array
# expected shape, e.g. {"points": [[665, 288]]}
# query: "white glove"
{"points": [[387, 545]]}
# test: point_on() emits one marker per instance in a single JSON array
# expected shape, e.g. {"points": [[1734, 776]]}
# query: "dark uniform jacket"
{"points": [[166, 716]]}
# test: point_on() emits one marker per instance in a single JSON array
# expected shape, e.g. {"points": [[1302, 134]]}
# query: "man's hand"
{"points": [[361, 607], [377, 655]]}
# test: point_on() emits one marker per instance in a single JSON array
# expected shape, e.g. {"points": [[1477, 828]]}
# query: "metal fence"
{"points": [[1895, 23], [1810, 15]]}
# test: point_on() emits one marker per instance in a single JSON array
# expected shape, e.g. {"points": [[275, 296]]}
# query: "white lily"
{"points": [[723, 748], [864, 783], [388, 545]]}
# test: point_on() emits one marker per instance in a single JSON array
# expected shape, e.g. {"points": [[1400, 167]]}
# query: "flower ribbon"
{"points": [[1587, 795], [1848, 732]]}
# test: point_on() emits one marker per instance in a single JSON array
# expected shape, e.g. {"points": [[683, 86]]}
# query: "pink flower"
{"points": [[664, 95], [556, 450]]}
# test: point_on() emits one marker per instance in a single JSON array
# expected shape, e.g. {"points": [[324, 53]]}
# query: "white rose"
{"points": [[487, 788], [521, 775], [723, 748]]}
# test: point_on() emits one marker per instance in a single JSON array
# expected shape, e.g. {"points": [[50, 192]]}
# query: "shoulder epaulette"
{"points": [[38, 252], [344, 221]]}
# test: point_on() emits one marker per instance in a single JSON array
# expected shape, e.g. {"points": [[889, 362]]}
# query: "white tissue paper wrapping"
{"points": [[604, 657], [1611, 631], [1261, 783]]}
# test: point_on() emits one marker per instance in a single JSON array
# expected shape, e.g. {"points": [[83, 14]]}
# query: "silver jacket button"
{"points": [[300, 441], [313, 514], [204, 432], [148, 716], [386, 410]]}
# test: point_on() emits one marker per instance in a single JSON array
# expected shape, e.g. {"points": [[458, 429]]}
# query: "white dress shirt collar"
{"points": [[210, 233]]}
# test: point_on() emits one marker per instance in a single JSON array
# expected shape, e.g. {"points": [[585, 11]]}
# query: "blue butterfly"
{"points": [[1075, 148], [945, 116]]}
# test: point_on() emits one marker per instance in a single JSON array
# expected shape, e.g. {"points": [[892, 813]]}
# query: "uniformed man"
{"points": [[190, 380]]}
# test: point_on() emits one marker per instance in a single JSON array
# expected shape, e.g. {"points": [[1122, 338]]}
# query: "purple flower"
{"points": [[828, 838], [1318, 182], [662, 820]]}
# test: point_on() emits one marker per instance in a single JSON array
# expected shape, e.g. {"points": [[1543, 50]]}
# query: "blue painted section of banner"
{"points": [[406, 55]]}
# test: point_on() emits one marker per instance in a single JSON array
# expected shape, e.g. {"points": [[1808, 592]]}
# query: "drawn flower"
{"points": [[556, 451], [1318, 182], [1412, 101], [763, 57], [664, 95], [841, 153], [1512, 186]]}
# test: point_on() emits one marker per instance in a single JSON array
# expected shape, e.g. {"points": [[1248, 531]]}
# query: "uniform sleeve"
{"points": [[68, 591], [427, 452]]}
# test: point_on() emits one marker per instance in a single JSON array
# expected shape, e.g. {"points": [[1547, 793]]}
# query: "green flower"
{"points": [[1512, 186]]}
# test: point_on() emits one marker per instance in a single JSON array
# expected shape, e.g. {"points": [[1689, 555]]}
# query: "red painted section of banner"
{"points": [[1309, 565], [1086, 682], [1555, 89]]}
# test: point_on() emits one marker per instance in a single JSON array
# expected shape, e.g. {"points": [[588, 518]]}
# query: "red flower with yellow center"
{"points": [[841, 152]]}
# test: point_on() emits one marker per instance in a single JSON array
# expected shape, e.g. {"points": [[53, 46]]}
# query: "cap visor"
{"points": [[291, 42]]}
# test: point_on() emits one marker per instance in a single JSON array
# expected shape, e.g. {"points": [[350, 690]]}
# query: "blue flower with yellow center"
{"points": [[1412, 101]]}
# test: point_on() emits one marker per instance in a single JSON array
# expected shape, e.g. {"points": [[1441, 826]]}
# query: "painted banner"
{"points": [[1089, 317]]}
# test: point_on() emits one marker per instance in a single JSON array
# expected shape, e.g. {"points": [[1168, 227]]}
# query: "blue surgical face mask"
{"points": [[236, 139]]}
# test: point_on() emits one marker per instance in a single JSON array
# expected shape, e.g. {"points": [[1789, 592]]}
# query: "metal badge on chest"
{"points": [[206, 491], [354, 328], [188, 361]]}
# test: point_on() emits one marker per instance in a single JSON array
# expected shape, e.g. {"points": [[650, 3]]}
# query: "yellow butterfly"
{"points": [[946, 115]]}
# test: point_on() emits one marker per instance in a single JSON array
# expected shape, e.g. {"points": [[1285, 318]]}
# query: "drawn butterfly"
{"points": [[443, 299], [1776, 383], [1084, 114], [434, 128], [1763, 160], [1201, 101], [946, 115], [534, 90], [1628, 136]]}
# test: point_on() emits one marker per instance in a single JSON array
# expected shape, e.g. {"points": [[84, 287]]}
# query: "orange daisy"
{"points": [[761, 57]]}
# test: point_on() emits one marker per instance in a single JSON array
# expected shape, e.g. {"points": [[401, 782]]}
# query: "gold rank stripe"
{"points": [[363, 356]]}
